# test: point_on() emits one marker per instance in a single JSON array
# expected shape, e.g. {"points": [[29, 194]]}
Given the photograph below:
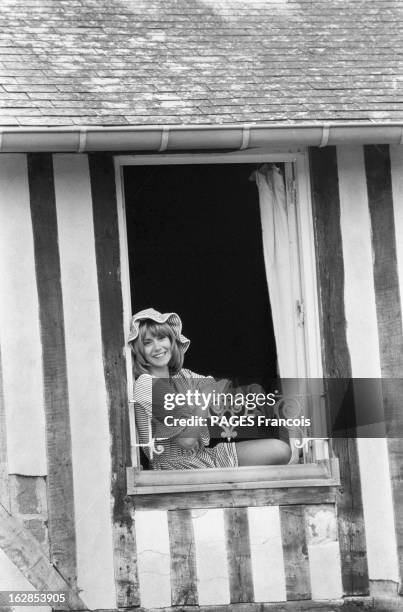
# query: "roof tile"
{"points": [[118, 62]]}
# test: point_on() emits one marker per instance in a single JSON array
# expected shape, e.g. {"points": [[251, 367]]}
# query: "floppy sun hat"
{"points": [[171, 318]]}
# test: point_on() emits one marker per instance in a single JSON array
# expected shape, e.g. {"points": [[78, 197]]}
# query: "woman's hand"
{"points": [[191, 444]]}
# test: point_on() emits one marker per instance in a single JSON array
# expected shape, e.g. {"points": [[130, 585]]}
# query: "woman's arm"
{"points": [[149, 405], [146, 409]]}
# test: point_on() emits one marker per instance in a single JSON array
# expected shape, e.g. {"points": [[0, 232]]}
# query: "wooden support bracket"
{"points": [[26, 553]]}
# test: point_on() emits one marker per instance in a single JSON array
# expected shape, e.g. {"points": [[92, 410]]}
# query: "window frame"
{"points": [[323, 471]]}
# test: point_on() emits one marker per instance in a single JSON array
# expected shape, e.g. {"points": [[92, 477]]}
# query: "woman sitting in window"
{"points": [[159, 346]]}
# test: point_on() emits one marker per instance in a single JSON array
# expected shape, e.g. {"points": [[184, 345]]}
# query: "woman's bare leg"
{"points": [[263, 452]]}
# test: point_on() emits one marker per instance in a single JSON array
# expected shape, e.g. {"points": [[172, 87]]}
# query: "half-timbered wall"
{"points": [[63, 417]]}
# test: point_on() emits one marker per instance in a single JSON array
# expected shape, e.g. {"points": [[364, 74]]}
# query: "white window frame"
{"points": [[324, 470]]}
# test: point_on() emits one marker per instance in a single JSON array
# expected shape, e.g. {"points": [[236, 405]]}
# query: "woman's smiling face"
{"points": [[157, 350]]}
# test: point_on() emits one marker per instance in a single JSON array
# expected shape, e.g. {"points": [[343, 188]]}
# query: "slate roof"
{"points": [[119, 62]]}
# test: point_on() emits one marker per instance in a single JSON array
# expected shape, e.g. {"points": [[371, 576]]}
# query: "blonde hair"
{"points": [[159, 330]]}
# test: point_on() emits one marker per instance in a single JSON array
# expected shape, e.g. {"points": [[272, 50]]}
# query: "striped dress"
{"points": [[149, 421]]}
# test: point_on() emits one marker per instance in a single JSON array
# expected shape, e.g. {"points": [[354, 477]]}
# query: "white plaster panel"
{"points": [[396, 161], [267, 554], [153, 558], [359, 293], [211, 557], [88, 402], [324, 566], [323, 552], [19, 324]]}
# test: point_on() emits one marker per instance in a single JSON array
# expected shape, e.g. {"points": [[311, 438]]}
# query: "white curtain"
{"points": [[273, 214], [276, 252]]}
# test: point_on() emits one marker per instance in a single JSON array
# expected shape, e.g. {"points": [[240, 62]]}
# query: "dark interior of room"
{"points": [[195, 248]]}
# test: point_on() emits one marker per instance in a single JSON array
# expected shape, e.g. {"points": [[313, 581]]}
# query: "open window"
{"points": [[192, 242]]}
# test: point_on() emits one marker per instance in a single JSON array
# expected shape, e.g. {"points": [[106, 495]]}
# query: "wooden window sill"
{"points": [[148, 482]]}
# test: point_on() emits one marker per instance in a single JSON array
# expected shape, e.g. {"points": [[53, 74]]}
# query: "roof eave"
{"points": [[157, 138]]}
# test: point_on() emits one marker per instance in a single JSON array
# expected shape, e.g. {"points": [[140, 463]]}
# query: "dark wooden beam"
{"points": [[236, 499], [389, 316], [238, 555], [107, 250], [27, 554], [278, 606], [336, 362], [295, 551], [61, 523], [354, 604], [183, 559]]}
